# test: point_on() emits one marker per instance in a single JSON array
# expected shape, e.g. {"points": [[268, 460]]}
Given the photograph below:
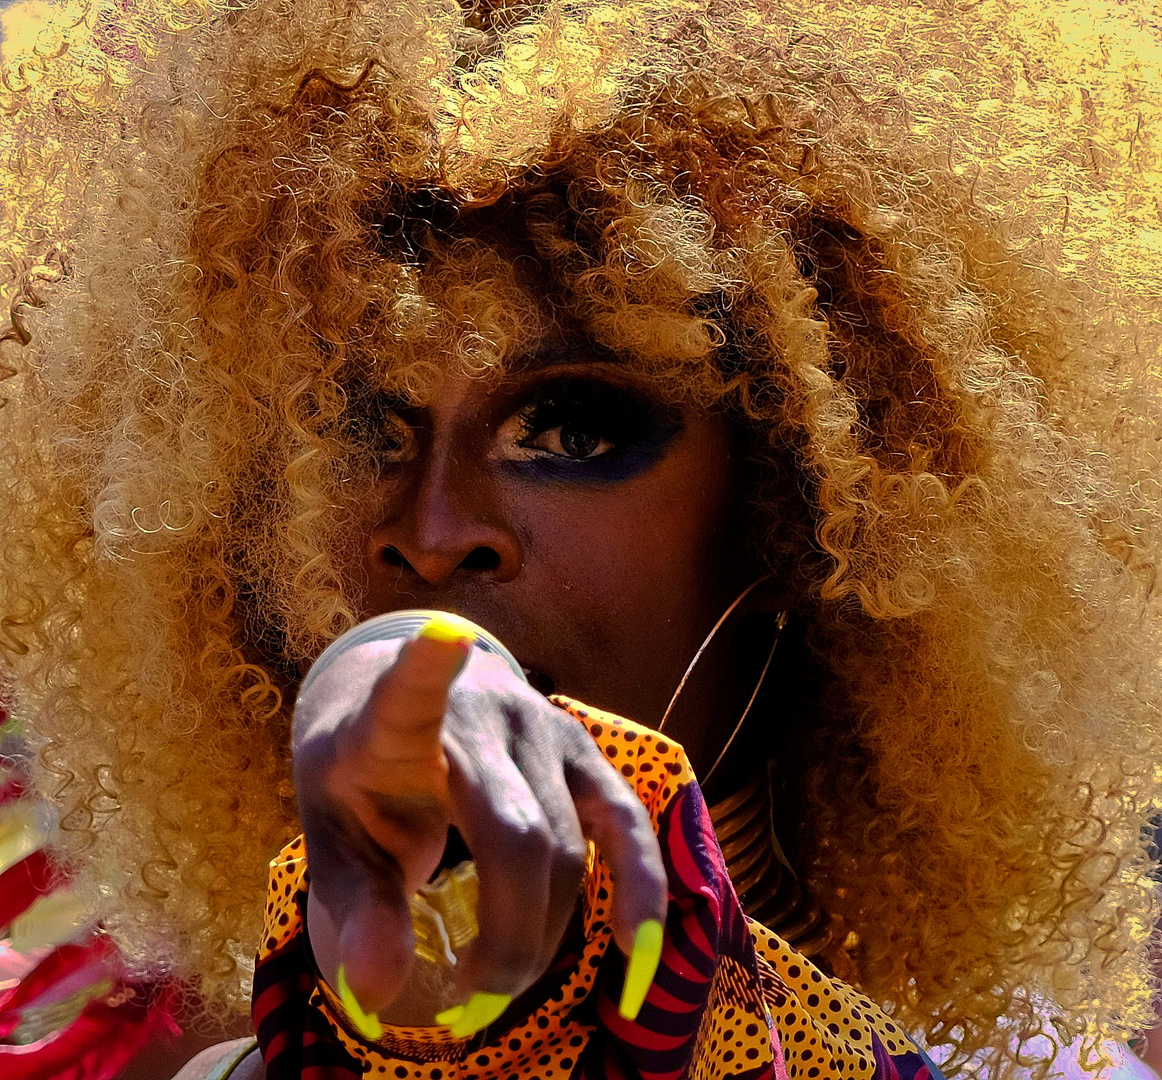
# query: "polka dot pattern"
{"points": [[657, 766], [767, 1012]]}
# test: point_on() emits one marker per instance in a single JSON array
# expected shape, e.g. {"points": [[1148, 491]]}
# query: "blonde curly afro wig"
{"points": [[915, 249]]}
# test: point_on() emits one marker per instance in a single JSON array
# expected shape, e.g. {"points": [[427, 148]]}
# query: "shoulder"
{"points": [[238, 1060]]}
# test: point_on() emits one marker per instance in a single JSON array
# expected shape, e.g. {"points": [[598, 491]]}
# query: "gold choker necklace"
{"points": [[769, 890]]}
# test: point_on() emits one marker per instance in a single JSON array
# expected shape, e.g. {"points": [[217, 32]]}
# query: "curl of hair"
{"points": [[230, 229]]}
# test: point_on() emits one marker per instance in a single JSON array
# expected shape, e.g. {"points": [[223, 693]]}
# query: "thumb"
{"points": [[365, 953], [376, 950]]}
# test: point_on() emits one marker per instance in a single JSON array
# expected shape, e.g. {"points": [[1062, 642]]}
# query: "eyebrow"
{"points": [[571, 349]]}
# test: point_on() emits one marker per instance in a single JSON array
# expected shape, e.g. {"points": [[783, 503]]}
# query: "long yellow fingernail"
{"points": [[453, 629], [366, 1024], [643, 966], [479, 1011]]}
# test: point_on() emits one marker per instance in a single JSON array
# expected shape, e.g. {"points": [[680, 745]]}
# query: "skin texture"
{"points": [[578, 540], [606, 582]]}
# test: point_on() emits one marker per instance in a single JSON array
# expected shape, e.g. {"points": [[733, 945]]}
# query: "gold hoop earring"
{"points": [[780, 622], [767, 885]]}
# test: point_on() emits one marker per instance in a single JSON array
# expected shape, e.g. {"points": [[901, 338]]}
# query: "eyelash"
{"points": [[613, 414]]}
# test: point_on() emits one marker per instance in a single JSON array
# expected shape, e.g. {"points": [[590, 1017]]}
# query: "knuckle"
{"points": [[571, 859], [573, 734], [627, 816], [581, 751], [653, 878], [523, 840]]}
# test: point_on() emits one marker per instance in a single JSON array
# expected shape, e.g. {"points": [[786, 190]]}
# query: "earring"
{"points": [[767, 885], [780, 622]]}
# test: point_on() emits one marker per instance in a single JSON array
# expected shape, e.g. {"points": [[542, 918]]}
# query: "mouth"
{"points": [[539, 681]]}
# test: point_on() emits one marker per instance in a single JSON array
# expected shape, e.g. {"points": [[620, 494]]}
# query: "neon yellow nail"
{"points": [[366, 1024], [453, 629], [479, 1011], [643, 966], [450, 1016]]}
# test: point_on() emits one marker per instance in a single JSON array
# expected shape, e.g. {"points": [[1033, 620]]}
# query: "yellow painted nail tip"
{"points": [[449, 1016], [366, 1024], [453, 629], [480, 1011], [643, 966]]}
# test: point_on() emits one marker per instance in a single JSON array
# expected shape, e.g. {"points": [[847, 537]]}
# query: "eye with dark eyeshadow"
{"points": [[594, 427], [569, 427]]}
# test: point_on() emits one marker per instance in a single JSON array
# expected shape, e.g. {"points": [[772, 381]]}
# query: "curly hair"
{"points": [[927, 290]]}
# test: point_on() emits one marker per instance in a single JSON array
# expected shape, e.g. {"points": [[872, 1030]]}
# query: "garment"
{"points": [[730, 999]]}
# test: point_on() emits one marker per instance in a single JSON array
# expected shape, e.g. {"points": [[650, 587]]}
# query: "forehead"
{"points": [[491, 310], [495, 292]]}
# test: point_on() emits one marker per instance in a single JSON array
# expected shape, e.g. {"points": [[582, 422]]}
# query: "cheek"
{"points": [[661, 551], [635, 577]]}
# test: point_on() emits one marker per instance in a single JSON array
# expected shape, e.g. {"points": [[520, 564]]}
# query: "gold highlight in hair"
{"points": [[914, 249]]}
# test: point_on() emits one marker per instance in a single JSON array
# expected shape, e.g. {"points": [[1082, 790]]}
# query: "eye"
{"points": [[580, 420], [377, 423], [396, 443], [570, 440], [586, 428]]}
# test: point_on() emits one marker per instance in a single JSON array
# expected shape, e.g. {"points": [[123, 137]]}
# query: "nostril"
{"points": [[481, 558], [392, 556]]}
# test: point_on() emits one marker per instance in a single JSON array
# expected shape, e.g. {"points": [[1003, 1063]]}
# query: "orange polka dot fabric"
{"points": [[730, 999]]}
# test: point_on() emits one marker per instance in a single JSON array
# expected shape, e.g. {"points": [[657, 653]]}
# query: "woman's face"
{"points": [[595, 529]]}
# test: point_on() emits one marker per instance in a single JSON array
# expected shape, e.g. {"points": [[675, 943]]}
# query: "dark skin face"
{"points": [[592, 527], [597, 530]]}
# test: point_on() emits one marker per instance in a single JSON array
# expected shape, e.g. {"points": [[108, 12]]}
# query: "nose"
{"points": [[446, 525]]}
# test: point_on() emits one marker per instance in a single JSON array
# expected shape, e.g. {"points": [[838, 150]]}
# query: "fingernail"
{"points": [[366, 1024], [449, 628], [641, 969], [479, 1011]]}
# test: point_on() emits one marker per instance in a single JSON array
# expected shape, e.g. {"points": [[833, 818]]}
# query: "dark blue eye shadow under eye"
{"points": [[639, 427], [611, 468]]}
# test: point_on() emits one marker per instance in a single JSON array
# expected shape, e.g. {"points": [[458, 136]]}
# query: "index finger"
{"points": [[396, 744]]}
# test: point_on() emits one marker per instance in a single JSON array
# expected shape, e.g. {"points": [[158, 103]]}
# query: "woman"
{"points": [[584, 323]]}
